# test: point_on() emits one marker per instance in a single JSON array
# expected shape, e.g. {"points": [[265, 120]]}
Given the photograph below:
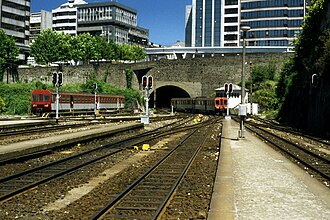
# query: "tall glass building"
{"points": [[272, 22], [216, 23], [212, 23]]}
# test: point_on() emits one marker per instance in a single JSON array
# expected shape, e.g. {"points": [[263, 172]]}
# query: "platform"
{"points": [[256, 182], [16, 150]]}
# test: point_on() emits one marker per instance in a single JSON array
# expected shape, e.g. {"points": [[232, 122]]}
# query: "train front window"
{"points": [[46, 98], [34, 97], [217, 102], [40, 98]]}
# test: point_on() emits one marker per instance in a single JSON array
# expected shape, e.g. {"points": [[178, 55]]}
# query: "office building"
{"points": [[212, 23], [39, 21], [65, 17], [112, 21], [216, 23], [14, 20], [273, 22]]}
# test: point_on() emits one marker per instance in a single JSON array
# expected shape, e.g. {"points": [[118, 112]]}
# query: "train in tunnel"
{"points": [[205, 105]]}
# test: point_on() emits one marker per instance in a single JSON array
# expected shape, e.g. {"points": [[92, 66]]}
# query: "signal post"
{"points": [[147, 82], [57, 82], [228, 91]]}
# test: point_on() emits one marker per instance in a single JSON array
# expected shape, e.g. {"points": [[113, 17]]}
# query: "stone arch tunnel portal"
{"points": [[164, 95]]}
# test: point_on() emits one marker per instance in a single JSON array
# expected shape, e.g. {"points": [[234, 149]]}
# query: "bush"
{"points": [[2, 104], [16, 97]]}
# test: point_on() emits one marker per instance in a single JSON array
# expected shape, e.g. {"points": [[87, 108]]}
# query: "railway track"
{"points": [[47, 126], [147, 196], [308, 137], [13, 185], [317, 162]]}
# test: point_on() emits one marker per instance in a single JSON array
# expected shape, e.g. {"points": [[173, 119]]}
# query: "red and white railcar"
{"points": [[45, 101]]}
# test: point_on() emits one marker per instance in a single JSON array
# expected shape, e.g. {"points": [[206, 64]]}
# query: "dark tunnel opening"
{"points": [[165, 94]]}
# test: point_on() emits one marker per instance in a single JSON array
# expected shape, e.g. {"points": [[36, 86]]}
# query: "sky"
{"points": [[165, 19]]}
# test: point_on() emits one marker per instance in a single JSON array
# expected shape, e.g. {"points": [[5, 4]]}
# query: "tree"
{"points": [[8, 51], [127, 52], [138, 52], [87, 47], [285, 80], [48, 47], [101, 48], [266, 96]]}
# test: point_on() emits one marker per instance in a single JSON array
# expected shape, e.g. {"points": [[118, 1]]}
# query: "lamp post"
{"points": [[243, 107]]}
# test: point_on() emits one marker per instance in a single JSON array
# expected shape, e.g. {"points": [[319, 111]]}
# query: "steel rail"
{"points": [[312, 160], [161, 164], [23, 181]]}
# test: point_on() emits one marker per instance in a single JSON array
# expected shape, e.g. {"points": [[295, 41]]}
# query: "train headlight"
{"points": [[46, 106], [34, 105]]}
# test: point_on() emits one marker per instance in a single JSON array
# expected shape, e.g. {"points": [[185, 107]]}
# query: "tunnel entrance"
{"points": [[165, 94]]}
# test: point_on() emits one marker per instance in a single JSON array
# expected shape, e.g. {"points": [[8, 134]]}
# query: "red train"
{"points": [[217, 105], [45, 101]]}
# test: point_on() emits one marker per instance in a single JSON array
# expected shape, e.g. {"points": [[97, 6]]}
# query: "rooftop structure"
{"points": [[112, 21]]}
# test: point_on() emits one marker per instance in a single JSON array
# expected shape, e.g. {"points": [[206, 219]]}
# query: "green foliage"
{"points": [[8, 51], [262, 73], [265, 96], [285, 81], [139, 53], [47, 47], [2, 104], [129, 77], [51, 46], [131, 96], [16, 97]]}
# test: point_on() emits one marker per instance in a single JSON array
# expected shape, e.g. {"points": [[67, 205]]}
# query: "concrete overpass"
{"points": [[192, 52]]}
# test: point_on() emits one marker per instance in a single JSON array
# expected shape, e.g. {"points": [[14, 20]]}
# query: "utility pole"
{"points": [[242, 108]]}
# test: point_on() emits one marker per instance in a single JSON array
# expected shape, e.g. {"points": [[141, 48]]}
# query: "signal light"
{"points": [[60, 78], [54, 78], [226, 88], [144, 82], [150, 81], [230, 90]]}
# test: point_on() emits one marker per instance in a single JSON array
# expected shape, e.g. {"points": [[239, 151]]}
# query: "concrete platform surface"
{"points": [[256, 182]]}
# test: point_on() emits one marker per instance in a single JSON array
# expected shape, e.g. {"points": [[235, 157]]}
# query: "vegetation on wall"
{"points": [[129, 77], [305, 105], [50, 47], [17, 97]]}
